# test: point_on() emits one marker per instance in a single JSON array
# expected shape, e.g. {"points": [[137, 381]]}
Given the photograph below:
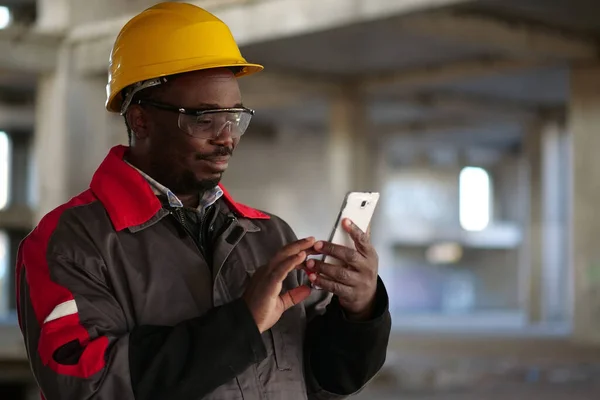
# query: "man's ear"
{"points": [[137, 120]]}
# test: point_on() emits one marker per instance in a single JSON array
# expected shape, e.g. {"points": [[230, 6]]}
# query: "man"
{"points": [[156, 284]]}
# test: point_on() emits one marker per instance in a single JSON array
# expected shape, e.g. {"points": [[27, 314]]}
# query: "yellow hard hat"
{"points": [[168, 39]]}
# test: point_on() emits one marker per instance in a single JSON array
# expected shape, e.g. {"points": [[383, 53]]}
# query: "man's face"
{"points": [[183, 163]]}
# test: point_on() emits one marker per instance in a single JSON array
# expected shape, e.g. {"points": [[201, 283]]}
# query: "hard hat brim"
{"points": [[114, 102]]}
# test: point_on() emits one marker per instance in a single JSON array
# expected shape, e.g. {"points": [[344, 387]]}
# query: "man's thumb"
{"points": [[295, 296]]}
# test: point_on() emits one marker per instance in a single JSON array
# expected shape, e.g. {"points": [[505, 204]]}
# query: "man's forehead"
{"points": [[208, 83], [199, 89]]}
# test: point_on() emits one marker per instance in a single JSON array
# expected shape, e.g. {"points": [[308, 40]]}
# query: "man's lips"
{"points": [[218, 159], [217, 164]]}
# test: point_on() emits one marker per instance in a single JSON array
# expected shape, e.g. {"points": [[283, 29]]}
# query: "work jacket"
{"points": [[118, 300]]}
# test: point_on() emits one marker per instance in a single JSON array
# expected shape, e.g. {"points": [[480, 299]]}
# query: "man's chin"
{"points": [[205, 184], [193, 182]]}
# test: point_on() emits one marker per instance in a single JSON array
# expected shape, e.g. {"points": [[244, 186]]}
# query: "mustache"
{"points": [[219, 152]]}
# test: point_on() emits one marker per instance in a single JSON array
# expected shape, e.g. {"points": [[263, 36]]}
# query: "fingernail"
{"points": [[318, 245], [302, 255], [310, 239], [347, 222], [310, 264], [312, 277]]}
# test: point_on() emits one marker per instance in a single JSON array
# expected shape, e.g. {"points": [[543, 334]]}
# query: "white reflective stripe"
{"points": [[62, 310]]}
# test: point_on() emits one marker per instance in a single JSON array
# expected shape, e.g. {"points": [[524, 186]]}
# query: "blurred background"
{"points": [[477, 120]]}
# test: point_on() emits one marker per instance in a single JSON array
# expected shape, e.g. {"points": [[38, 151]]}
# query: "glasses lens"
{"points": [[210, 125]]}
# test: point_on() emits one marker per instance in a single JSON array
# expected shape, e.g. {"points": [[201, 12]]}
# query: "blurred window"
{"points": [[474, 198], [5, 17]]}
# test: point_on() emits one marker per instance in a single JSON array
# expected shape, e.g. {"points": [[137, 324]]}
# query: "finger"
{"points": [[308, 268], [281, 270], [294, 296], [293, 248], [309, 252], [338, 273], [360, 238], [342, 253], [332, 286]]}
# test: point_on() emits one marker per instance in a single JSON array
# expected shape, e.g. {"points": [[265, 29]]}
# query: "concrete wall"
{"points": [[286, 176]]}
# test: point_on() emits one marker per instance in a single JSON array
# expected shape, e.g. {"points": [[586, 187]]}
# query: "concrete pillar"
{"points": [[555, 238], [52, 15], [50, 144], [351, 146], [19, 190], [546, 225], [584, 120], [534, 224], [92, 130], [73, 133]]}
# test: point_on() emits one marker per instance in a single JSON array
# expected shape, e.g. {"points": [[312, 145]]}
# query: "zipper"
{"points": [[204, 231], [178, 215], [180, 218]]}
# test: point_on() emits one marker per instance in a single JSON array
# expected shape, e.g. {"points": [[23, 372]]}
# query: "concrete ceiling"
{"points": [[581, 16], [383, 46], [368, 48], [11, 3], [545, 86]]}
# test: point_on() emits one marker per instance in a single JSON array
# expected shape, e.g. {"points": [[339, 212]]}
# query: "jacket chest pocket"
{"points": [[281, 350], [285, 336], [274, 338], [237, 270], [283, 369], [233, 279]]}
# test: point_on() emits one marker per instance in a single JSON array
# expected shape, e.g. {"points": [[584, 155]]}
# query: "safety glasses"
{"points": [[208, 124]]}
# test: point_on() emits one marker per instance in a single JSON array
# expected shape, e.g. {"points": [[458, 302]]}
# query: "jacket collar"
{"points": [[129, 199]]}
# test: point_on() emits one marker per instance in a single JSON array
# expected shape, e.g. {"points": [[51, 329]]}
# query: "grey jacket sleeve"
{"points": [[75, 335], [81, 346]]}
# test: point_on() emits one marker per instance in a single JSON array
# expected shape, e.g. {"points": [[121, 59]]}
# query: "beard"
{"points": [[185, 181]]}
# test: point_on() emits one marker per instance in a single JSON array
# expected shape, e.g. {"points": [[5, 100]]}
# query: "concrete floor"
{"points": [[420, 377], [492, 392]]}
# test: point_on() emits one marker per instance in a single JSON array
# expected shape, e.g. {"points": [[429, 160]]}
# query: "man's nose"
{"points": [[224, 136]]}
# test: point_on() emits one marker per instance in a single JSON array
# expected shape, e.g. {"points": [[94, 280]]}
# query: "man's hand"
{"points": [[355, 281], [263, 294]]}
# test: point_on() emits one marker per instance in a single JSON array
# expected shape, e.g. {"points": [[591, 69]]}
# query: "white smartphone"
{"points": [[359, 207]]}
